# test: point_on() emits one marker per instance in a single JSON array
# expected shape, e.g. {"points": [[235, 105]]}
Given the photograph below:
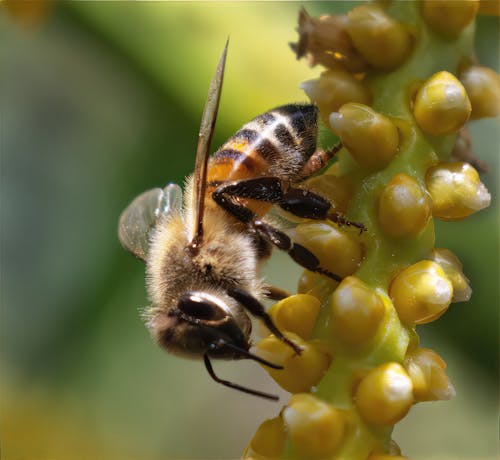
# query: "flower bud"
{"points": [[301, 372], [370, 137], [456, 190], [441, 105], [356, 312], [421, 292], [382, 41], [453, 269], [337, 190], [449, 17], [325, 41], [307, 282], [316, 428], [489, 7], [333, 89], [296, 314], [269, 440], [483, 88], [426, 370], [338, 251], [384, 396], [404, 207]]}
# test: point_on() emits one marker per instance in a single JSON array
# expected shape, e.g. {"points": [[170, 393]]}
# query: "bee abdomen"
{"points": [[278, 143]]}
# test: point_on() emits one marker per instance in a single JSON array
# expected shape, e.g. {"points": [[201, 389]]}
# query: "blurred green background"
{"points": [[102, 100]]}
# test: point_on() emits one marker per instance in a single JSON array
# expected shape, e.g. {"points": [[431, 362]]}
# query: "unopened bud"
{"points": [[453, 268], [370, 137], [381, 40], [316, 428], [456, 190], [384, 396], [449, 17], [404, 207], [421, 292], [441, 105], [356, 312], [483, 88]]}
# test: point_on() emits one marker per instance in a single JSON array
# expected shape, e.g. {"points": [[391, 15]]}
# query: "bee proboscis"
{"points": [[203, 252]]}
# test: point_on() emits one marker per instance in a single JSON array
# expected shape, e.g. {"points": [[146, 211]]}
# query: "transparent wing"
{"points": [[142, 215]]}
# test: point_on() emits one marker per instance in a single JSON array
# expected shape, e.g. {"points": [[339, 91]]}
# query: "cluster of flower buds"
{"points": [[397, 103]]}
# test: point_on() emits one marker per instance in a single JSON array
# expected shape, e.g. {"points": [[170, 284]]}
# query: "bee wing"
{"points": [[142, 215], [202, 151]]}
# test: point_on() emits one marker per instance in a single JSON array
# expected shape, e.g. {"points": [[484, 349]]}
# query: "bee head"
{"points": [[197, 322]]}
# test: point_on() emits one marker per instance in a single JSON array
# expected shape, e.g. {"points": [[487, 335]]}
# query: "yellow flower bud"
{"points": [[489, 7], [449, 17], [296, 313], [338, 250], [441, 105], [316, 428], [426, 370], [307, 281], [384, 396], [269, 440], [333, 89], [404, 207], [483, 88], [370, 137], [456, 190], [356, 311], [453, 268], [421, 292], [324, 40], [301, 372], [381, 40]]}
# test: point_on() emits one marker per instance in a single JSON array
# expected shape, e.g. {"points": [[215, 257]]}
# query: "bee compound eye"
{"points": [[201, 306]]}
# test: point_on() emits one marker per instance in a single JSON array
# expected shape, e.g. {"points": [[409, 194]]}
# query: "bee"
{"points": [[203, 253]]}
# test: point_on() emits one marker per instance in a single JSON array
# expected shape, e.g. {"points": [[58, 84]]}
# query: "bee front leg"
{"points": [[251, 304]]}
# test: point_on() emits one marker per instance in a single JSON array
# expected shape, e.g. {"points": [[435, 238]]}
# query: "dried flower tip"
{"points": [[269, 439], [462, 151], [483, 88], [384, 396], [370, 137], [325, 41], [456, 190], [333, 89], [441, 105], [453, 268], [316, 428], [489, 7], [301, 372], [449, 17], [297, 314], [324, 239], [426, 370], [382, 41], [356, 312], [421, 292], [404, 207]]}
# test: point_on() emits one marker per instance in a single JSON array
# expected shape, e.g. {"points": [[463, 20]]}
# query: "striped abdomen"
{"points": [[276, 143]]}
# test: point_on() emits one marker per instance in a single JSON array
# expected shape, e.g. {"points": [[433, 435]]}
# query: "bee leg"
{"points": [[235, 386], [297, 252], [275, 293], [298, 201], [256, 308], [318, 160]]}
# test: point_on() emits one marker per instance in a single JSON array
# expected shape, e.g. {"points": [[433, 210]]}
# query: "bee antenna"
{"points": [[235, 386], [222, 343]]}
